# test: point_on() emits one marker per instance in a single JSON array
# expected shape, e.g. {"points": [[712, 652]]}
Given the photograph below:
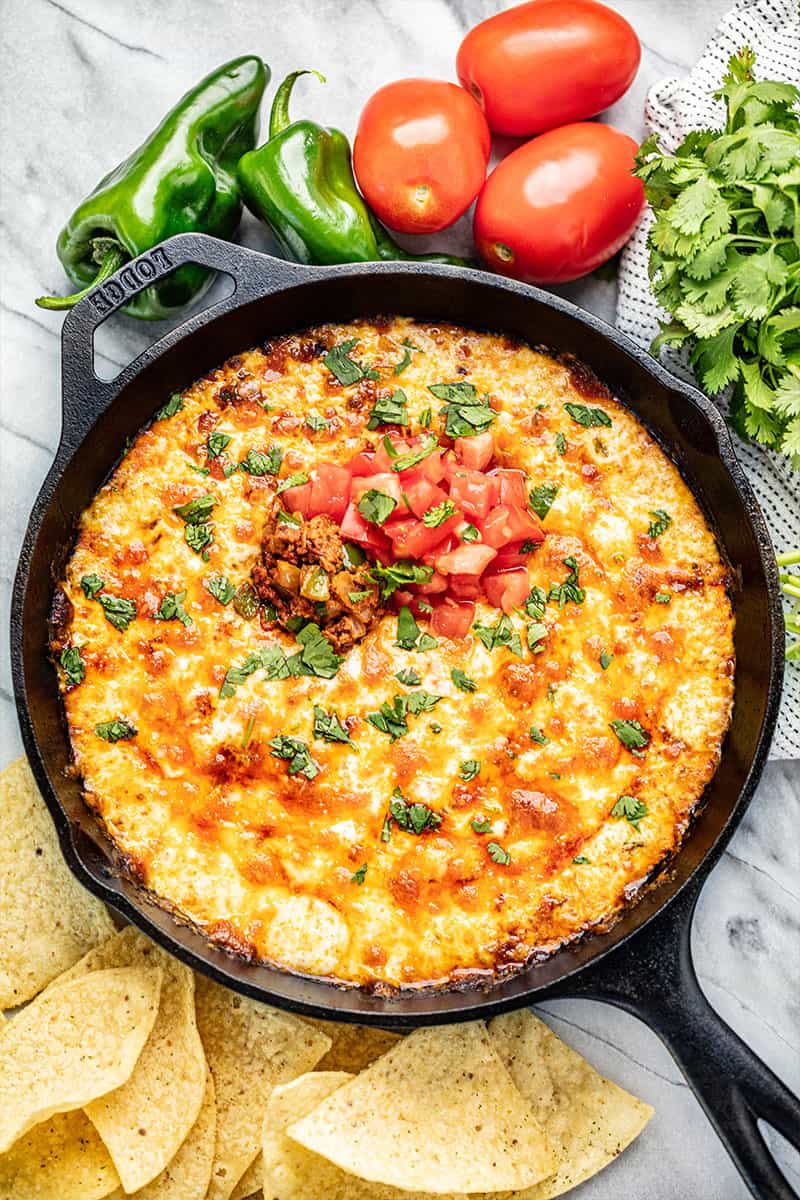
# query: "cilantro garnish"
{"points": [[537, 736], [220, 588], [115, 731], [389, 410], [408, 677], [398, 575], [561, 444], [236, 675], [537, 632], [582, 414], [660, 524], [409, 634], [569, 590], [317, 656], [173, 405], [346, 369], [291, 481], [316, 423], [404, 462], [723, 252], [376, 507], [470, 533], [360, 597], [464, 412], [469, 769], [499, 635], [118, 611], [405, 361], [391, 718], [413, 817], [263, 462], [91, 584], [535, 604], [360, 875], [541, 498], [437, 516], [217, 442], [171, 609], [73, 665], [580, 860], [631, 809], [605, 659], [425, 418], [631, 734], [198, 533], [481, 824], [462, 681], [498, 854], [663, 597], [297, 754], [328, 727]]}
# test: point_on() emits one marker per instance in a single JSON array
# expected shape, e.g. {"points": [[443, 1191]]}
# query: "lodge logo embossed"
{"points": [[130, 279]]}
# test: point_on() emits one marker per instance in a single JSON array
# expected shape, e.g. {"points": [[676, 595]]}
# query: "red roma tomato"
{"points": [[548, 63], [420, 154], [559, 206]]}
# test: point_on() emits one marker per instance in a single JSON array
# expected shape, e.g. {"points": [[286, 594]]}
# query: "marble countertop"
{"points": [[83, 81]]}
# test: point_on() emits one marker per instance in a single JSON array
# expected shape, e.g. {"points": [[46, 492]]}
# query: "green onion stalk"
{"points": [[790, 583]]}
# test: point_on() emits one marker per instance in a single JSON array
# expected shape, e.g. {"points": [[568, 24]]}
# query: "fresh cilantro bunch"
{"points": [[725, 252]]}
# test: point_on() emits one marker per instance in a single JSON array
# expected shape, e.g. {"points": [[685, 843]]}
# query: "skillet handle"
{"points": [[652, 976], [86, 396]]}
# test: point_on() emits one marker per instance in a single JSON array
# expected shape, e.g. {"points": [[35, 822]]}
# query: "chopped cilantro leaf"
{"points": [[316, 657], [404, 462], [569, 590], [197, 538], [409, 635], [462, 681], [469, 769], [425, 418], [535, 604], [376, 507], [561, 444], [391, 718], [528, 546], [73, 665], [217, 442], [405, 361], [663, 597], [605, 660], [580, 860], [91, 584], [220, 588], [346, 369], [329, 728], [389, 410], [115, 731], [541, 498], [263, 462], [631, 809], [297, 754], [173, 405], [236, 675], [588, 417], [481, 824], [501, 634], [631, 734], [360, 875], [412, 817], [398, 575], [408, 677], [660, 524], [537, 736], [118, 611], [197, 511], [291, 481], [171, 609], [537, 632], [465, 414], [437, 516], [359, 597], [316, 423], [470, 533], [498, 854]]}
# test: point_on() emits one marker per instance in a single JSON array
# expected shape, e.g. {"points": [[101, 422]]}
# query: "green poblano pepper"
{"points": [[181, 179], [301, 184]]}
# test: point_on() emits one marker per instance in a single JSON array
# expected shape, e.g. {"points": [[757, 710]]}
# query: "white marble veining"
{"points": [[82, 82]]}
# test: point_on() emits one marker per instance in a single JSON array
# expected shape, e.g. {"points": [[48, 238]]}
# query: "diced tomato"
{"points": [[383, 459], [451, 619], [330, 490], [506, 589], [466, 559], [402, 599], [512, 486], [475, 452], [465, 587], [298, 500], [508, 523], [432, 467], [362, 464], [511, 556], [412, 539], [423, 495], [472, 491], [385, 482], [355, 529], [436, 583]]}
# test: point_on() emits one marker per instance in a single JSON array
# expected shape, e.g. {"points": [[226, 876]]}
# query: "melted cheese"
{"points": [[266, 863]]}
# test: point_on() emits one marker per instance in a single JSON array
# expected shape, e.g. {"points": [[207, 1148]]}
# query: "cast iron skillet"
{"points": [[651, 974]]}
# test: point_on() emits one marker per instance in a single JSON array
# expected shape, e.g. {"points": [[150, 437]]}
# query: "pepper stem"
{"points": [[109, 254], [279, 113]]}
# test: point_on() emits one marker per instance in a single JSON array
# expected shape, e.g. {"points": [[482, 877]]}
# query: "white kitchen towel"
{"points": [[771, 28]]}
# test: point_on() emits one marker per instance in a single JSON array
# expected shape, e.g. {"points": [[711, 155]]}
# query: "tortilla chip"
{"points": [[188, 1175], [144, 1122], [47, 920], [293, 1173], [77, 1042], [250, 1048], [250, 1183], [439, 1113], [354, 1046], [60, 1159], [588, 1119]]}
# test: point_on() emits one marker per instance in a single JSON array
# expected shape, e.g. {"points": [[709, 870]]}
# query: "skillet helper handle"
{"points": [[652, 976], [84, 391]]}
